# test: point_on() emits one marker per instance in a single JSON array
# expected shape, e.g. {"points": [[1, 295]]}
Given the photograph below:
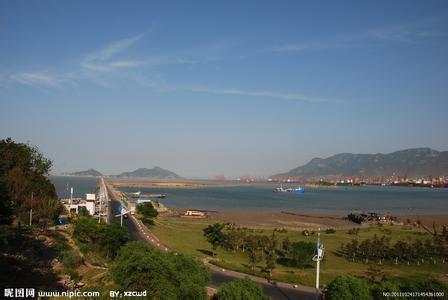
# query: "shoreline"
{"points": [[300, 220]]}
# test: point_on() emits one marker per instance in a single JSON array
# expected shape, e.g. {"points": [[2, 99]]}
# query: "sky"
{"points": [[232, 88]]}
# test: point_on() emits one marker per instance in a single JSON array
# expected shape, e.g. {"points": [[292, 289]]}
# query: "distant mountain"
{"points": [[89, 172], [416, 162], [155, 172]]}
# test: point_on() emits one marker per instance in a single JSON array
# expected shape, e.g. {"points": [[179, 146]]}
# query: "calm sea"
{"points": [[259, 197], [81, 185], [395, 200]]}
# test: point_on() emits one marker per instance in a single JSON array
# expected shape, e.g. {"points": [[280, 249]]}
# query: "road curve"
{"points": [[138, 231]]}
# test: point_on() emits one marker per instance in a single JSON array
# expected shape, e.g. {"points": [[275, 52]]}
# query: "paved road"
{"points": [[278, 291]]}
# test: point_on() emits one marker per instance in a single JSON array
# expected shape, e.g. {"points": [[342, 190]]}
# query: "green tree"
{"points": [[147, 210], [240, 289], [110, 238], [23, 172], [105, 239], [302, 254], [252, 245], [348, 288], [271, 254], [215, 236], [139, 267]]}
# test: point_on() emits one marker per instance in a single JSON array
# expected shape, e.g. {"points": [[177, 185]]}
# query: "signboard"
{"points": [[90, 197]]}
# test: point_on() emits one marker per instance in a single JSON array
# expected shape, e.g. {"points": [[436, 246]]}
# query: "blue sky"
{"points": [[221, 87]]}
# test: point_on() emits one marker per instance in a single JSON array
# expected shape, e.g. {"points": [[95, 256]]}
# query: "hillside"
{"points": [[155, 172], [416, 162], [89, 172]]}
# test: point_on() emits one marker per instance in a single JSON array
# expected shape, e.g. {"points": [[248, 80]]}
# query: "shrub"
{"points": [[71, 259], [240, 289], [348, 288]]}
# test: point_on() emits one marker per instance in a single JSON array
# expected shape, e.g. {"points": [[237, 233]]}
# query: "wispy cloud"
{"points": [[264, 94], [402, 33], [38, 78], [109, 65], [114, 48]]}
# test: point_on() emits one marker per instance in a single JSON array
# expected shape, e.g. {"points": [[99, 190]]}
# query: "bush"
{"points": [[105, 239], [348, 288], [330, 231], [139, 267], [147, 210], [353, 231], [240, 289], [71, 259], [72, 273]]}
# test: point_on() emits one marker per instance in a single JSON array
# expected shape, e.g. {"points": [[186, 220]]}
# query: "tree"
{"points": [[348, 288], [252, 246], [110, 238], [139, 267], [302, 254], [240, 289], [147, 210], [23, 172], [271, 254], [105, 239], [214, 235]]}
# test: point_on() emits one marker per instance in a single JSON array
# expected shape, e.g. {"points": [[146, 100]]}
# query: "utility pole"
{"points": [[317, 258], [101, 200], [31, 209]]}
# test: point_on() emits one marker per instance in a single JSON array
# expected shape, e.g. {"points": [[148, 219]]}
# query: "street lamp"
{"points": [[317, 258], [121, 214]]}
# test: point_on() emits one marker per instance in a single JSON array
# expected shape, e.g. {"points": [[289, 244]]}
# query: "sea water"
{"points": [[338, 200], [81, 185]]}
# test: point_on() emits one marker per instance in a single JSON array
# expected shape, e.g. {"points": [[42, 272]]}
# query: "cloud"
{"points": [[264, 94], [402, 33], [104, 68], [114, 48], [38, 79]]}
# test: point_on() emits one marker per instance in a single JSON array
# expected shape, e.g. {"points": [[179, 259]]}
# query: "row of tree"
{"points": [[353, 288], [24, 185], [380, 249], [259, 248]]}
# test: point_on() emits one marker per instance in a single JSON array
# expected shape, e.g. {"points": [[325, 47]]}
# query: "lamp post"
{"points": [[121, 214], [317, 258]]}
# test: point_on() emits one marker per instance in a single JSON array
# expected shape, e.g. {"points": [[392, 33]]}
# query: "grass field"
{"points": [[185, 236]]}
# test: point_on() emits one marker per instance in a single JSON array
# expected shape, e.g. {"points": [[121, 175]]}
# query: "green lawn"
{"points": [[185, 236]]}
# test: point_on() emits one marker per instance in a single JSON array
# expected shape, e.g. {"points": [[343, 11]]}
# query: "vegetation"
{"points": [[147, 212], [24, 185], [349, 287], [334, 264], [300, 254], [240, 289], [139, 267], [215, 236], [380, 249], [105, 239]]}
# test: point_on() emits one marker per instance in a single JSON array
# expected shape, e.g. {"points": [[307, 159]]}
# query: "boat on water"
{"points": [[281, 189], [296, 190]]}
